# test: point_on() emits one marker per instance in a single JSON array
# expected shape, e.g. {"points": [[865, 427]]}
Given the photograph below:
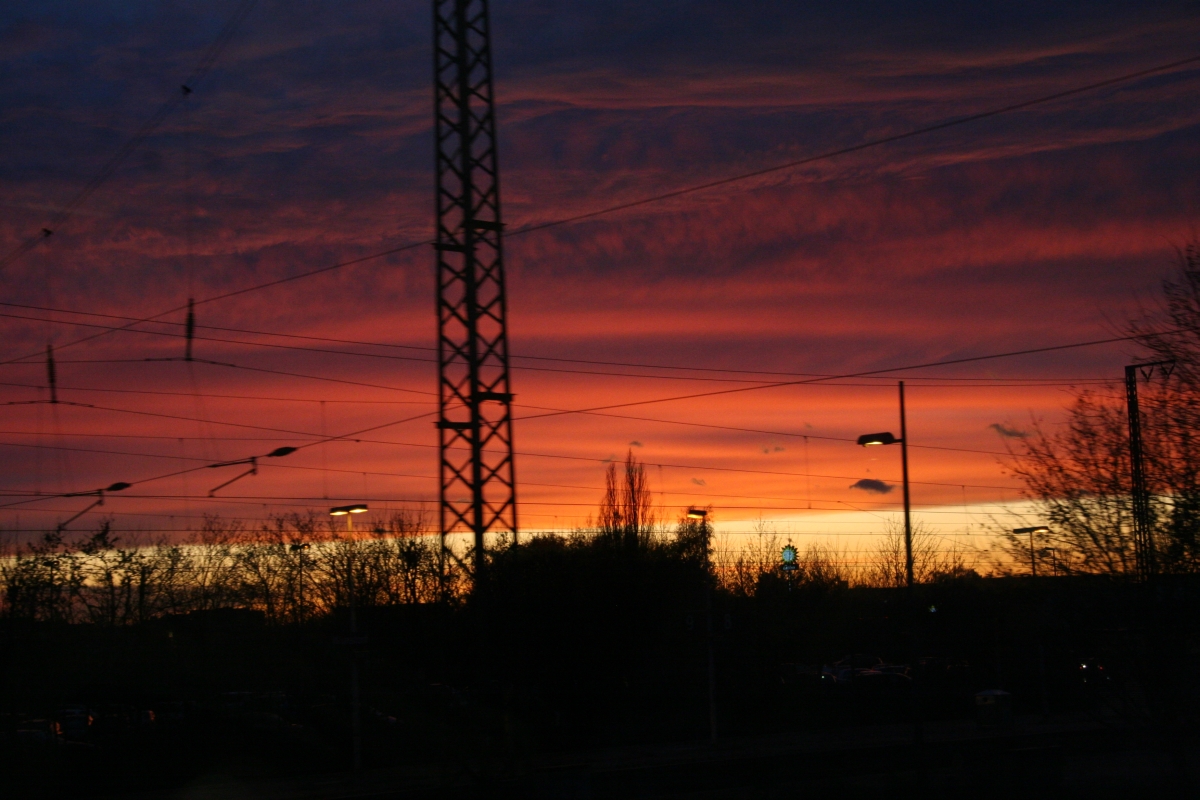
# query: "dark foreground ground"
{"points": [[1084, 756], [568, 692]]}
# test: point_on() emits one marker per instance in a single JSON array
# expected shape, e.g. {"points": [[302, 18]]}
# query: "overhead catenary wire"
{"points": [[214, 51], [806, 436], [537, 484], [792, 164], [771, 385], [250, 459], [786, 383], [864, 373], [318, 499], [681, 422], [355, 436], [990, 382], [248, 368], [255, 397]]}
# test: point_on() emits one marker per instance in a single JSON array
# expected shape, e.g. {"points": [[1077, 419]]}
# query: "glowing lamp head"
{"points": [[341, 511], [871, 439], [1032, 529], [697, 513]]}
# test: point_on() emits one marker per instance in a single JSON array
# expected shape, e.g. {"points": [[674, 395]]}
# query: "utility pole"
{"points": [[477, 488], [908, 553], [1143, 535], [700, 517]]}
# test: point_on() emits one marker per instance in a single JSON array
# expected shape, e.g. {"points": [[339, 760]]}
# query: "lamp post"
{"points": [[701, 515], [1031, 531], [355, 707], [298, 548], [871, 439]]}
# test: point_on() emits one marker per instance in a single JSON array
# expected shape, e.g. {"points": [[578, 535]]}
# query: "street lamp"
{"points": [[872, 439], [356, 716], [299, 548], [1031, 531], [701, 515], [347, 512]]}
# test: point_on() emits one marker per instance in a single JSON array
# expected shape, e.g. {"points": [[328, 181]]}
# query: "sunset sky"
{"points": [[309, 144]]}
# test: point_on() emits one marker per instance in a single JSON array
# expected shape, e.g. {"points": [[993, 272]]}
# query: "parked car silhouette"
{"points": [[39, 732]]}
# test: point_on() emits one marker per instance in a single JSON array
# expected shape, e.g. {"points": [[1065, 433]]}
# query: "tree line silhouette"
{"points": [[290, 569]]}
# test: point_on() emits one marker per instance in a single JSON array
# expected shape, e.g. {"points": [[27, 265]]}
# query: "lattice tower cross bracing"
{"points": [[477, 478]]}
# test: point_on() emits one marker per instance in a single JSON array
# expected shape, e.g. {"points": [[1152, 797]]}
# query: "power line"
{"points": [[161, 393], [765, 432], [593, 410], [590, 413], [1054, 381], [780, 433], [355, 437], [206, 461], [283, 451], [744, 470], [161, 415], [241, 367], [152, 436], [673, 492], [355, 434], [858, 147], [110, 167], [294, 498], [779, 384], [686, 190], [992, 383]]}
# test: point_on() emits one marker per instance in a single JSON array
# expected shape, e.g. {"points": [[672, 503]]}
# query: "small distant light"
{"points": [[933, 609]]}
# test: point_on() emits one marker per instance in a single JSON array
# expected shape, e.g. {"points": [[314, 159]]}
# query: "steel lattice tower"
{"points": [[477, 479]]}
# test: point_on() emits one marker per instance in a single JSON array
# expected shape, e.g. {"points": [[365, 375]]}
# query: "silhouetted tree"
{"points": [[887, 564], [742, 569], [1078, 476], [289, 568], [627, 509]]}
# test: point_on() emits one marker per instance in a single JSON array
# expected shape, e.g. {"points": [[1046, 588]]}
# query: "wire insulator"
{"points": [[190, 330], [51, 375]]}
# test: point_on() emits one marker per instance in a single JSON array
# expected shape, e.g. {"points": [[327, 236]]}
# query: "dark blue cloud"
{"points": [[873, 486]]}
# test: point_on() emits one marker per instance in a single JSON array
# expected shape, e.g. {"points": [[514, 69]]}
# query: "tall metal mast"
{"points": [[1143, 526], [478, 483]]}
